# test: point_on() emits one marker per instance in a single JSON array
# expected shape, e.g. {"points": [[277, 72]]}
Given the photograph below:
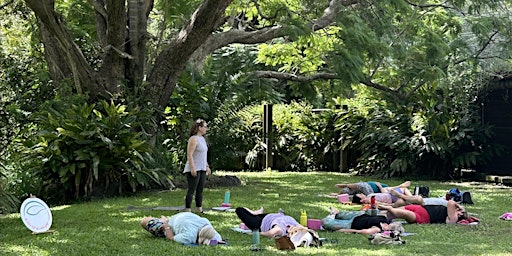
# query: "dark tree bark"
{"points": [[172, 61], [63, 52]]}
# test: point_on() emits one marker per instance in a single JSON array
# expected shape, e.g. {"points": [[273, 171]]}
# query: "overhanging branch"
{"points": [[219, 40], [6, 4], [293, 77], [479, 51], [319, 76]]}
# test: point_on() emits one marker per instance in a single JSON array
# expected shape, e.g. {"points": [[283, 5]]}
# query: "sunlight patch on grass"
{"points": [[12, 216], [133, 218], [60, 207], [55, 240], [127, 214], [105, 229]]}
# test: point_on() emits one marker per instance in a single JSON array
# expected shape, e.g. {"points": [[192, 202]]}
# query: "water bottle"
{"points": [[226, 196], [255, 236], [303, 218], [373, 208]]}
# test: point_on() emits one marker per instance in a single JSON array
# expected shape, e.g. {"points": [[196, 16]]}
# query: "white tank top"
{"points": [[199, 155]]}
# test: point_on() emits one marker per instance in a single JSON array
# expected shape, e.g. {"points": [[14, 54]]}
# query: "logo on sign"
{"points": [[36, 215]]}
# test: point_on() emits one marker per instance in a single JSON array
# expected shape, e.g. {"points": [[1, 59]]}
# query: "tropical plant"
{"points": [[302, 139], [24, 79], [435, 134], [83, 147], [8, 201]]}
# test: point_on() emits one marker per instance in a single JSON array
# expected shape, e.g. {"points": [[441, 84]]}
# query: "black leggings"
{"points": [[250, 220], [195, 184]]}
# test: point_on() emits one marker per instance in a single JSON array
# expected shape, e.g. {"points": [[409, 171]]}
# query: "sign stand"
{"points": [[48, 231]]}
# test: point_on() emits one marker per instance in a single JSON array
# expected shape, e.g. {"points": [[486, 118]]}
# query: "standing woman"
{"points": [[196, 168]]}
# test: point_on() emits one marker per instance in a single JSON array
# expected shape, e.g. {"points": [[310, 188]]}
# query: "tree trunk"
{"points": [[64, 49], [172, 61]]}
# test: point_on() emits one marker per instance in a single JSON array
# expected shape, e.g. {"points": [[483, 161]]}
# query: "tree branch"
{"points": [[425, 6], [82, 72], [415, 88], [219, 40], [99, 7], [319, 76], [486, 44], [122, 54], [6, 4], [257, 5], [195, 33], [292, 77], [479, 51]]}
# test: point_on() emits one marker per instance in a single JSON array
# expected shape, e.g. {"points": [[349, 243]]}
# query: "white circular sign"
{"points": [[36, 215]]}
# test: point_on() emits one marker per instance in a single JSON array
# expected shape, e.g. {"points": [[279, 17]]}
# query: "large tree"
{"points": [[122, 34], [409, 53], [394, 46]]}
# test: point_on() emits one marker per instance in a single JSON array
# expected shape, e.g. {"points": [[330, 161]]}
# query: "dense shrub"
{"points": [[303, 139], [434, 134], [81, 148], [8, 201]]}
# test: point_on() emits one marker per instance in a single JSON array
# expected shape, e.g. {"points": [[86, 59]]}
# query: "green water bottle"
{"points": [[255, 236], [226, 196]]}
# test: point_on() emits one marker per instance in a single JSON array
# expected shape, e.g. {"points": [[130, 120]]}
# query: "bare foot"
{"points": [[259, 211], [406, 184], [383, 207]]}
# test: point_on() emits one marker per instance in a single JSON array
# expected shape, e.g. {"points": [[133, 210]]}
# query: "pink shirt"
{"points": [[381, 197]]}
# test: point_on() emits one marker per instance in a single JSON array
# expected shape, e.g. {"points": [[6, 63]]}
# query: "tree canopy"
{"points": [[142, 47]]}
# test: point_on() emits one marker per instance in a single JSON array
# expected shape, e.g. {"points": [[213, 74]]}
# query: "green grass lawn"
{"points": [[110, 227]]}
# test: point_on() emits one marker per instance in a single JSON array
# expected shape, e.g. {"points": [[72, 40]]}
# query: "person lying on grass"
{"points": [[398, 199], [359, 222], [184, 227], [404, 200], [365, 187], [425, 214], [269, 224], [385, 197]]}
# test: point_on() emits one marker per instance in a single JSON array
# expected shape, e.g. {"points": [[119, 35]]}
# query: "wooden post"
{"points": [[268, 134]]}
